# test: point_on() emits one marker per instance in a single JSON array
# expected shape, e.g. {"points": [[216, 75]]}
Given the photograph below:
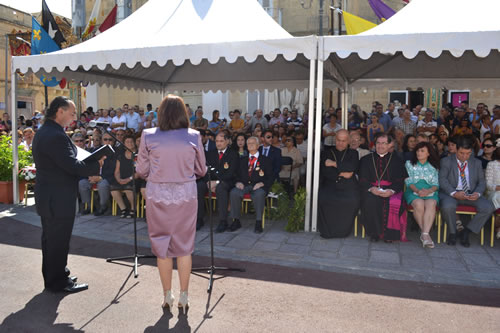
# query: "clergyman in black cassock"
{"points": [[56, 188], [224, 163], [339, 190], [381, 179]]}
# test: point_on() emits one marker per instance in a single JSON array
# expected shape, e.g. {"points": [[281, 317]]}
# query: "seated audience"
{"points": [[422, 187], [461, 182], [493, 184]]}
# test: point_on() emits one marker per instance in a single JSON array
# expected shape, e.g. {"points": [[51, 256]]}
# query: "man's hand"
{"points": [[124, 181], [460, 195], [346, 175], [473, 197], [330, 163], [258, 185], [240, 186], [101, 161], [387, 193], [375, 191], [95, 179]]}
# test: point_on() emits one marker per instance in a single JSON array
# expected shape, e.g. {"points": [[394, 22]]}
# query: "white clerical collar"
{"points": [[382, 155]]}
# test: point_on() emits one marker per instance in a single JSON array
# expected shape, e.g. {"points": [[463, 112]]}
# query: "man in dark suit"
{"points": [[58, 172], [273, 153], [255, 176], [461, 182], [224, 162]]}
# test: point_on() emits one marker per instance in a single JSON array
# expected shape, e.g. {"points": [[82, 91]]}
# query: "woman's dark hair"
{"points": [[172, 114], [405, 142], [58, 102], [293, 140], [235, 142], [433, 155], [496, 155], [214, 113]]}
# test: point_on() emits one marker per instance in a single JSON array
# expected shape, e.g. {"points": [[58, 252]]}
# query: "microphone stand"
{"points": [[136, 256], [212, 268]]}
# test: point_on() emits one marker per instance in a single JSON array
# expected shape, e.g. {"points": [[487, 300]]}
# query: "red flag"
{"points": [[109, 21]]}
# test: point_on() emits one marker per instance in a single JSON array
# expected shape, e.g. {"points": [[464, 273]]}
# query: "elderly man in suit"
{"points": [[254, 176], [223, 162], [58, 172], [461, 182]]}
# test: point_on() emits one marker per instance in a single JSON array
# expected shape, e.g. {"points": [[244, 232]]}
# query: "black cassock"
{"points": [[338, 200], [383, 217]]}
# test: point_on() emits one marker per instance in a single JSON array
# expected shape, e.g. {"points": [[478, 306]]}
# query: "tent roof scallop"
{"points": [[151, 47]]}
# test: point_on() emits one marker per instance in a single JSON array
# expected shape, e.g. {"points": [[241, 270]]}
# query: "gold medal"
{"points": [[261, 173], [226, 165]]}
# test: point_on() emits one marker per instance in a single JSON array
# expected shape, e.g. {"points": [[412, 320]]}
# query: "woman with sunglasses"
{"points": [[488, 150]]}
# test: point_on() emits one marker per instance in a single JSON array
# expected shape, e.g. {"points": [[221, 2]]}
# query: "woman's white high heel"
{"points": [[183, 300], [168, 302], [426, 242]]}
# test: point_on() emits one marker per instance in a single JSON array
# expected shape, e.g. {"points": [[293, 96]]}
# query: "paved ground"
{"points": [[265, 298], [474, 266]]}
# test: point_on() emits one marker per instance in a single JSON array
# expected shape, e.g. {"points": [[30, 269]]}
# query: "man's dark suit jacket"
{"points": [[275, 157], [448, 175], [263, 172], [211, 146], [57, 171], [225, 168]]}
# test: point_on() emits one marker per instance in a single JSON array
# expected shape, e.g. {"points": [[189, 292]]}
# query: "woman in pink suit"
{"points": [[171, 157]]}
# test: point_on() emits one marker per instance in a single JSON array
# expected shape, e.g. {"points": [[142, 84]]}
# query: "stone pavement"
{"points": [[475, 266]]}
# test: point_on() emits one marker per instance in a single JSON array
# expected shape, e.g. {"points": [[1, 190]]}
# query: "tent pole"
{"points": [[345, 115], [15, 181], [310, 133], [317, 141]]}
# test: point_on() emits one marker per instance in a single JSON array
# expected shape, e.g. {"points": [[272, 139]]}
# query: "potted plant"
{"points": [[25, 159], [292, 212]]}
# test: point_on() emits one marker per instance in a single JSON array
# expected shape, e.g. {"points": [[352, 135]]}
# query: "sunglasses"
{"points": [[268, 137], [442, 134], [107, 139], [488, 146]]}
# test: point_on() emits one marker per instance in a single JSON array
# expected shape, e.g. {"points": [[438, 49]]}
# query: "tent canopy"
{"points": [[169, 45], [427, 39]]}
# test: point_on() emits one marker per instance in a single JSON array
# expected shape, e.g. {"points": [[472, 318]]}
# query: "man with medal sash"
{"points": [[381, 179], [338, 201], [461, 182], [254, 176], [223, 165]]}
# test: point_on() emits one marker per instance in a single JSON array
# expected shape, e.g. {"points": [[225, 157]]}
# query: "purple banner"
{"points": [[383, 11]]}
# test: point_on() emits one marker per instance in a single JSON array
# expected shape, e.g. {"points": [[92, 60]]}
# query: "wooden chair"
{"points": [[470, 210]]}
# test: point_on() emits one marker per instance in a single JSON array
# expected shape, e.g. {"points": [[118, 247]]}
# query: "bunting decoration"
{"points": [[42, 43], [380, 9]]}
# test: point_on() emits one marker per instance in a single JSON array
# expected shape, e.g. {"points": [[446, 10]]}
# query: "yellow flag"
{"points": [[355, 24]]}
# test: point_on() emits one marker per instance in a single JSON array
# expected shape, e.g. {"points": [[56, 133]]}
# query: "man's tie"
{"points": [[250, 166], [221, 153], [266, 151], [465, 186]]}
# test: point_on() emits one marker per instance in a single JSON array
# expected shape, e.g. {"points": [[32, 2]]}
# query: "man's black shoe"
{"points": [[452, 239], [464, 237], [86, 211], [258, 227], [199, 224], [100, 211], [374, 239], [76, 287], [235, 225], [221, 227]]}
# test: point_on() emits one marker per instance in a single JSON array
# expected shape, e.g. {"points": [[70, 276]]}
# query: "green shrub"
{"points": [[25, 158]]}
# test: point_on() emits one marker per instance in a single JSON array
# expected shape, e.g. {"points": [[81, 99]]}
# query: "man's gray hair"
{"points": [[253, 138]]}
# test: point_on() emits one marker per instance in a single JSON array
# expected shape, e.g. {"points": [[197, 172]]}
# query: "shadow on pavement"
{"points": [[20, 234], [43, 307]]}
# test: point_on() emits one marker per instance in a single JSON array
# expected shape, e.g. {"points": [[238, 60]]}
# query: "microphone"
{"points": [[95, 123]]}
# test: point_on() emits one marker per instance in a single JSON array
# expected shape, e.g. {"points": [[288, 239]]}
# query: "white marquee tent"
{"points": [[452, 43], [206, 45]]}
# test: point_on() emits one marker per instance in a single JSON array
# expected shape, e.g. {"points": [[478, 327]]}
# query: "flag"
{"points": [[355, 24], [90, 28], [50, 25], [109, 21], [18, 42], [41, 43], [406, 1], [382, 11]]}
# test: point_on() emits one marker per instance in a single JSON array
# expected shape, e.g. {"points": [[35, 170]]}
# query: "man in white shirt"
{"points": [[427, 125], [105, 117], [133, 119], [119, 122]]}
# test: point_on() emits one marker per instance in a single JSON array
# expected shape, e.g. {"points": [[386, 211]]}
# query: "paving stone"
{"points": [[445, 253], [353, 252], [293, 248], [262, 245], [416, 263], [324, 254], [299, 240], [385, 257], [381, 246], [241, 242], [357, 241], [475, 259], [220, 239], [446, 264], [275, 236], [326, 244]]}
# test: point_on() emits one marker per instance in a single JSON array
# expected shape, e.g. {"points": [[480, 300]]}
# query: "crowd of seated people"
{"points": [[424, 151]]}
